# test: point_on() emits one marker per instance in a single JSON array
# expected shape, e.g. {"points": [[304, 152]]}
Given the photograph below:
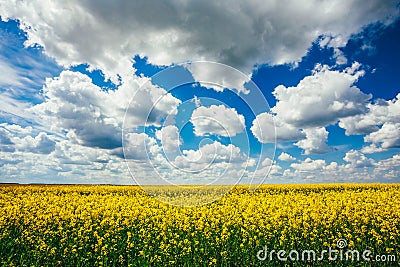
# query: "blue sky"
{"points": [[200, 93]]}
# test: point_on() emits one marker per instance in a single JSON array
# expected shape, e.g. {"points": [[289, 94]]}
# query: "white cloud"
{"points": [[41, 143], [218, 77], [196, 101], [22, 139], [74, 104], [335, 43], [309, 165], [6, 144], [286, 157], [68, 153], [389, 164], [388, 136], [357, 159], [170, 138], [381, 124], [8, 159], [17, 129], [370, 149], [240, 34], [36, 157], [94, 117], [358, 168], [251, 162], [149, 106], [211, 163], [9, 75], [267, 162], [139, 146], [315, 141], [268, 129], [209, 155], [68, 163], [362, 123], [321, 99], [333, 166], [302, 112], [218, 120], [215, 152], [321, 171], [339, 56], [270, 171], [268, 168], [380, 112]]}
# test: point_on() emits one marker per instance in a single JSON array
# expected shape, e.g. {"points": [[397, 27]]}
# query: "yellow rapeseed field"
{"points": [[78, 225]]}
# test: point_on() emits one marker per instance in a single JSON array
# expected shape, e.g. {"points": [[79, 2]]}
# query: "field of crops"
{"points": [[75, 225]]}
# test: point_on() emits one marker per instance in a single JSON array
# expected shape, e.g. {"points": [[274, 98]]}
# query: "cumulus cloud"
{"points": [[236, 33], [372, 148], [321, 99], [150, 104], [67, 153], [381, 124], [268, 168], [388, 136], [267, 162], [6, 144], [170, 138], [74, 104], [140, 146], [286, 157], [380, 112], [309, 165], [94, 117], [390, 163], [22, 139], [209, 155], [218, 120], [302, 111], [357, 159], [218, 77], [8, 159], [335, 43], [315, 141], [363, 123], [357, 169], [68, 163], [41, 143], [268, 129]]}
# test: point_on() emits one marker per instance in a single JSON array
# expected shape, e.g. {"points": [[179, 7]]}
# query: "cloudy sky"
{"points": [[151, 92]]}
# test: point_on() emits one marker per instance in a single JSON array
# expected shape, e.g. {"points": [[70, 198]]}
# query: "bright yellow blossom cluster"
{"points": [[78, 225]]}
